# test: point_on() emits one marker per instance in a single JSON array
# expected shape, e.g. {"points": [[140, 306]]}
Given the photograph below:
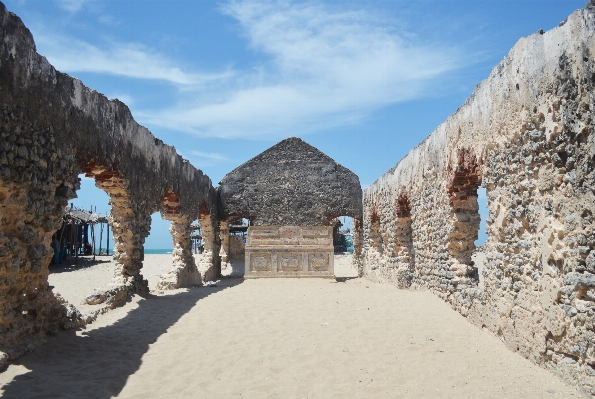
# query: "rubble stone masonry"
{"points": [[52, 128], [526, 135]]}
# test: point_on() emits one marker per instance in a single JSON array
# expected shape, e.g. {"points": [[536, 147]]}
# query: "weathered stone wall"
{"points": [[52, 128], [526, 135], [210, 261], [237, 247], [290, 184]]}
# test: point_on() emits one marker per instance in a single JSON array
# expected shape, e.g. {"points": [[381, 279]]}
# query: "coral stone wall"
{"points": [[526, 135], [52, 128], [290, 184], [237, 247]]}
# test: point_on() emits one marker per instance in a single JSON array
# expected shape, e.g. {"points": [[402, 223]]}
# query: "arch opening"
{"points": [[130, 226], [85, 233], [83, 241], [464, 181], [375, 236], [233, 233], [344, 240], [183, 271], [479, 257], [402, 250], [209, 264]]}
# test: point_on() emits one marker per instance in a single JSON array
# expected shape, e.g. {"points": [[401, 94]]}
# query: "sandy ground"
{"points": [[277, 338]]}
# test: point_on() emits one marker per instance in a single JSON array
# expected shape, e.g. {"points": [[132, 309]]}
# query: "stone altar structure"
{"points": [[526, 135], [289, 251], [290, 193]]}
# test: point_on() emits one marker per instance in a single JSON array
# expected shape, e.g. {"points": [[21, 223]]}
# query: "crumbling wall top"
{"points": [[99, 133]]}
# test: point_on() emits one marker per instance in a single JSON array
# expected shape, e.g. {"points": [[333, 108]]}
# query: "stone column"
{"points": [[224, 249], [465, 221], [183, 272], [374, 259], [28, 308], [402, 252], [403, 243], [130, 226], [207, 264], [464, 179], [358, 246]]}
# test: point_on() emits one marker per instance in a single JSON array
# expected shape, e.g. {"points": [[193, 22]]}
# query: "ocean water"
{"points": [[152, 251]]}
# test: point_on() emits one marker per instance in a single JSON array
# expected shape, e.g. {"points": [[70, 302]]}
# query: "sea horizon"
{"points": [[157, 251]]}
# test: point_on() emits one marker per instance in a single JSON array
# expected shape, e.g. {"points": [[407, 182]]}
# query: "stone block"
{"points": [[294, 256]]}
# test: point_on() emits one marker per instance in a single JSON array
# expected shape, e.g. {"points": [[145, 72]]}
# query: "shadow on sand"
{"points": [[98, 363], [81, 263]]}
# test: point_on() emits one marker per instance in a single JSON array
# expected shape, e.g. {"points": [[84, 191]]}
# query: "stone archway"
{"points": [[130, 227], [54, 127], [184, 272], [28, 308], [403, 242], [232, 252], [210, 264], [464, 179]]}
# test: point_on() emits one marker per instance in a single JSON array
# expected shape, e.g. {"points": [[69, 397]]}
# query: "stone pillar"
{"points": [[403, 244], [184, 272], [208, 264], [464, 180], [358, 246], [374, 260], [224, 254], [465, 221], [130, 225], [402, 252], [376, 241], [29, 310], [129, 228]]}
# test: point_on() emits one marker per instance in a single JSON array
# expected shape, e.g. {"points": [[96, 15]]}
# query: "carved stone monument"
{"points": [[289, 251], [290, 193]]}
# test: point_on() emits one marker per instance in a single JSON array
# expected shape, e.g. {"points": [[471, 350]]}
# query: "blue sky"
{"points": [[363, 81]]}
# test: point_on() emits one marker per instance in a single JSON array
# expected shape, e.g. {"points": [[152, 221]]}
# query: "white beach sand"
{"points": [[277, 338]]}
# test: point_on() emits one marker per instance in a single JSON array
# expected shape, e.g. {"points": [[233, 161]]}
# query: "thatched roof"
{"points": [[80, 215]]}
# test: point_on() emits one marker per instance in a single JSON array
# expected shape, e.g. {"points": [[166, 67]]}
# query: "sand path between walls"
{"points": [[274, 338]]}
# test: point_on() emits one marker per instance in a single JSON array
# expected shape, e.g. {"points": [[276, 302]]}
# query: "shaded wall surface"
{"points": [[290, 184], [526, 135], [52, 128]]}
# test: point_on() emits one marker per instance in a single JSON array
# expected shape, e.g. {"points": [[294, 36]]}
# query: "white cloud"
{"points": [[71, 6], [328, 68], [133, 60], [107, 19], [209, 155], [325, 67]]}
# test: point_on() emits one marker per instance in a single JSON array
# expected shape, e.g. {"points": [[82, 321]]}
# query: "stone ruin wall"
{"points": [[237, 247], [291, 184], [526, 135], [53, 128]]}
